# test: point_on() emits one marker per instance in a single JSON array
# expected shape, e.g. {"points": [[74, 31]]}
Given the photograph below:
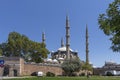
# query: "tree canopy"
{"points": [[109, 22], [86, 66], [21, 46], [70, 66]]}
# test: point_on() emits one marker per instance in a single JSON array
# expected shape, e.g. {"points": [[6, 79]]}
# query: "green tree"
{"points": [[14, 44], [38, 52], [110, 24], [4, 48], [1, 52], [21, 46], [70, 66], [86, 66]]}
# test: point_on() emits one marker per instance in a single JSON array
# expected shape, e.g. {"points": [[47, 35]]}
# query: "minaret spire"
{"points": [[43, 37], [87, 50], [67, 38], [62, 42]]}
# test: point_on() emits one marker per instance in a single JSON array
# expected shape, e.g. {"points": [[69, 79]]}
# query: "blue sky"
{"points": [[32, 17]]}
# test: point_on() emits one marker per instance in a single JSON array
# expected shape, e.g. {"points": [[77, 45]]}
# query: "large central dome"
{"points": [[63, 49]]}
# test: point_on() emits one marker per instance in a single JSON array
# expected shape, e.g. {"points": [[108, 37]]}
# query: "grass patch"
{"points": [[69, 78]]}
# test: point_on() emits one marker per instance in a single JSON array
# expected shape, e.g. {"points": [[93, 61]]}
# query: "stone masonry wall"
{"points": [[21, 66], [30, 68]]}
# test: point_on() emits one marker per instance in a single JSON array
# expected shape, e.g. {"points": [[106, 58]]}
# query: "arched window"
{"points": [[6, 70], [15, 72]]}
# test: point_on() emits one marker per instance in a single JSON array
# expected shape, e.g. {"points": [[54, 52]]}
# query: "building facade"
{"points": [[61, 54], [110, 66], [15, 66]]}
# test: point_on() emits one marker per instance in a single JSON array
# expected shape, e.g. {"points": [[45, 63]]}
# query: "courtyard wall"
{"points": [[16, 66], [30, 68]]}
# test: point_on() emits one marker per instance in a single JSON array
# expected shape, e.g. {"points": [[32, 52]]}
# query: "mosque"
{"points": [[65, 52], [61, 55], [16, 66]]}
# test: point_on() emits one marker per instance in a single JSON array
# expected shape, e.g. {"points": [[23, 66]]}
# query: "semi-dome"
{"points": [[110, 62], [55, 61], [49, 60], [60, 58], [63, 49]]}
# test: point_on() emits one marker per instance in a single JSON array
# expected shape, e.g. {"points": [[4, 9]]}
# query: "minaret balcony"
{"points": [[68, 44], [67, 35], [67, 27]]}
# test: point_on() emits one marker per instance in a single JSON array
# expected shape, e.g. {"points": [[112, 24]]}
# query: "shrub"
{"points": [[34, 74], [50, 74], [74, 74], [109, 74], [82, 74], [70, 66]]}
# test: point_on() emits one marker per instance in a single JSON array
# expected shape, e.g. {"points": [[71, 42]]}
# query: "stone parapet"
{"points": [[30, 68]]}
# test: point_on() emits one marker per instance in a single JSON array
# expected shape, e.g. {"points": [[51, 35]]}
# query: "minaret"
{"points": [[67, 38], [87, 51], [43, 37], [62, 42]]}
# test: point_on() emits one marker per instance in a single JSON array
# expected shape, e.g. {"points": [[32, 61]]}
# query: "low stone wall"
{"points": [[98, 71], [23, 68], [30, 68], [1, 71]]}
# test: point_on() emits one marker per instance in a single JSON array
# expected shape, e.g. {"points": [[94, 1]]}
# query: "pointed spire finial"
{"points": [[67, 21], [62, 42], [43, 37], [86, 30]]}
